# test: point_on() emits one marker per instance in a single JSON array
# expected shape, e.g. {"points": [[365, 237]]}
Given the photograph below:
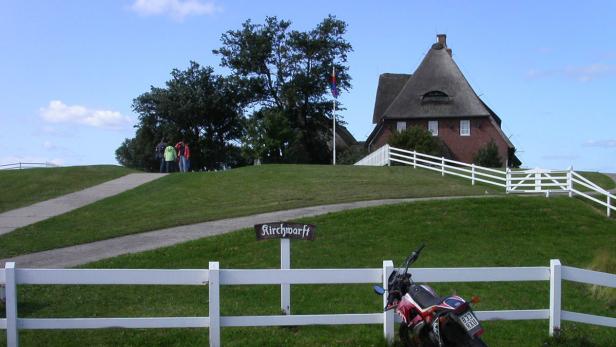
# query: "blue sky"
{"points": [[70, 69]]}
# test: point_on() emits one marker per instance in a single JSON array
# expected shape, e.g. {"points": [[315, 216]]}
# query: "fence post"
{"points": [[285, 264], [387, 155], [12, 333], [507, 180], [442, 166], [570, 181], [537, 180], [214, 303], [414, 159], [388, 316], [609, 205], [555, 294], [473, 173]]}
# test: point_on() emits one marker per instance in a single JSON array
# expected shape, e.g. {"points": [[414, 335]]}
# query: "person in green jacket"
{"points": [[170, 157]]}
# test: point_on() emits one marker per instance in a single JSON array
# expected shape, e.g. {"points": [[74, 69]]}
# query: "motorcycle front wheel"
{"points": [[407, 339]]}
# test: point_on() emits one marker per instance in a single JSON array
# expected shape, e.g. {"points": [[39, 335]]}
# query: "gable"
{"points": [[389, 87]]}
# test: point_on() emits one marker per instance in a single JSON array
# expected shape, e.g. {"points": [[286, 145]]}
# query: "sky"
{"points": [[69, 70]]}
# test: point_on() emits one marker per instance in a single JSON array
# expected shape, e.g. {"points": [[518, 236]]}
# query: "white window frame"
{"points": [[465, 130], [433, 127], [400, 126]]}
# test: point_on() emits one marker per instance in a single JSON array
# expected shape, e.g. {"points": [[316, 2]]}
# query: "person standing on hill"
{"points": [[159, 153], [170, 157], [183, 153]]}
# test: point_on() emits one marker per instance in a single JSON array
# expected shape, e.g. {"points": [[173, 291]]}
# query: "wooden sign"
{"points": [[282, 230]]}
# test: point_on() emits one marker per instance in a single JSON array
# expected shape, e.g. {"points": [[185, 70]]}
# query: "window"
{"points": [[435, 96], [401, 126], [433, 127], [465, 127]]}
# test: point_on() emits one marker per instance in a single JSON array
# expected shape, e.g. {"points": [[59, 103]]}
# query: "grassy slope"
{"points": [[599, 179], [24, 187], [181, 199], [509, 231]]}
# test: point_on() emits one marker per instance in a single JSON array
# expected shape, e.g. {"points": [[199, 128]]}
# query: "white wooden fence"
{"points": [[536, 181], [20, 165], [214, 277]]}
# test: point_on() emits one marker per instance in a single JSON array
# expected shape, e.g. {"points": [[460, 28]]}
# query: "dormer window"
{"points": [[435, 96]]}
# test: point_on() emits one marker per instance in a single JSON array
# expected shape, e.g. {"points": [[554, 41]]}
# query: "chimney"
{"points": [[442, 39]]}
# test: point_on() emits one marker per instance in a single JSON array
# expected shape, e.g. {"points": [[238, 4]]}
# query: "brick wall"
{"points": [[463, 148]]}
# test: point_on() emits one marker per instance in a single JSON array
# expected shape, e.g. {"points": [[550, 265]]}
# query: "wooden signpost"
{"points": [[285, 232]]}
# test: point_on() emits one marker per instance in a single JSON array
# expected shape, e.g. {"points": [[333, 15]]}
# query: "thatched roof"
{"points": [[390, 85], [437, 89]]}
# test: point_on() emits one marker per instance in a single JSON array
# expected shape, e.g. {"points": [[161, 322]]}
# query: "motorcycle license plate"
{"points": [[469, 321]]}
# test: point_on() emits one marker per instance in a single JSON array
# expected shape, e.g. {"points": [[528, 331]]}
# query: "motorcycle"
{"points": [[427, 319]]}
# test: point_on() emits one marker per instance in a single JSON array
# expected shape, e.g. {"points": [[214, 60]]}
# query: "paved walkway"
{"points": [[21, 217], [85, 253]]}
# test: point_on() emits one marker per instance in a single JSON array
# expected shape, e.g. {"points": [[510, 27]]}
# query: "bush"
{"points": [[351, 155], [488, 156], [420, 140]]}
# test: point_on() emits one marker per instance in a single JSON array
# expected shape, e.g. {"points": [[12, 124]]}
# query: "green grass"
{"points": [[603, 181], [507, 231], [182, 199], [25, 187]]}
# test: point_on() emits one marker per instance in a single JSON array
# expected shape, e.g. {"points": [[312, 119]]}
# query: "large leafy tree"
{"points": [[197, 105], [288, 73]]}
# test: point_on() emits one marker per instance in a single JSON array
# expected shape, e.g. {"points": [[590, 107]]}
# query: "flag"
{"points": [[333, 85]]}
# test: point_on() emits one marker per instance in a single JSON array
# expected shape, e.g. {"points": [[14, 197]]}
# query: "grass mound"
{"points": [[507, 231], [25, 187], [181, 199]]}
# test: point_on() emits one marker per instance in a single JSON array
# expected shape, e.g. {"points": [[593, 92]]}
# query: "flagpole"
{"points": [[334, 120]]}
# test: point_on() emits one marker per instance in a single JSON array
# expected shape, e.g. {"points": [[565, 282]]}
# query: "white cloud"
{"points": [[177, 9], [560, 157], [58, 112], [49, 145], [585, 73], [610, 143]]}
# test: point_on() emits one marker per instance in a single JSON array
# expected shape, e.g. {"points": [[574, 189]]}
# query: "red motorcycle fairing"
{"points": [[405, 308], [408, 307]]}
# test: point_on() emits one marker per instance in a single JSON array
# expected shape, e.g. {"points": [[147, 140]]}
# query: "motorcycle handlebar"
{"points": [[411, 259]]}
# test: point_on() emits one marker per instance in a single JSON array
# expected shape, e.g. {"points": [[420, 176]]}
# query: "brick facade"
{"points": [[463, 148]]}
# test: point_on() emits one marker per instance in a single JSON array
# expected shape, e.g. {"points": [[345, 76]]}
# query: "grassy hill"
{"points": [[25, 187], [507, 231], [181, 199]]}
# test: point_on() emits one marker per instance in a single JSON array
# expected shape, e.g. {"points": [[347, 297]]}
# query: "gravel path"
{"points": [[85, 253], [21, 217]]}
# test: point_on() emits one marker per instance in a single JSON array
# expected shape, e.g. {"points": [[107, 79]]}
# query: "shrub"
{"points": [[420, 140], [488, 156], [352, 155]]}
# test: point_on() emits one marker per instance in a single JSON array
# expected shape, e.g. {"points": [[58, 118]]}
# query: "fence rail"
{"points": [[535, 181], [22, 165], [215, 277]]}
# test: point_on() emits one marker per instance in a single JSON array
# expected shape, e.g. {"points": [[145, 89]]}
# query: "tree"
{"points": [[197, 105], [418, 139], [287, 72], [488, 156]]}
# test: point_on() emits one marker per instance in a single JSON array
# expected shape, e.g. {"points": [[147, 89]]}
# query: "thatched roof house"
{"points": [[438, 97]]}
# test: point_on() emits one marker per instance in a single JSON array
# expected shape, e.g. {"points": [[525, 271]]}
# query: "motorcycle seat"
{"points": [[424, 297]]}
